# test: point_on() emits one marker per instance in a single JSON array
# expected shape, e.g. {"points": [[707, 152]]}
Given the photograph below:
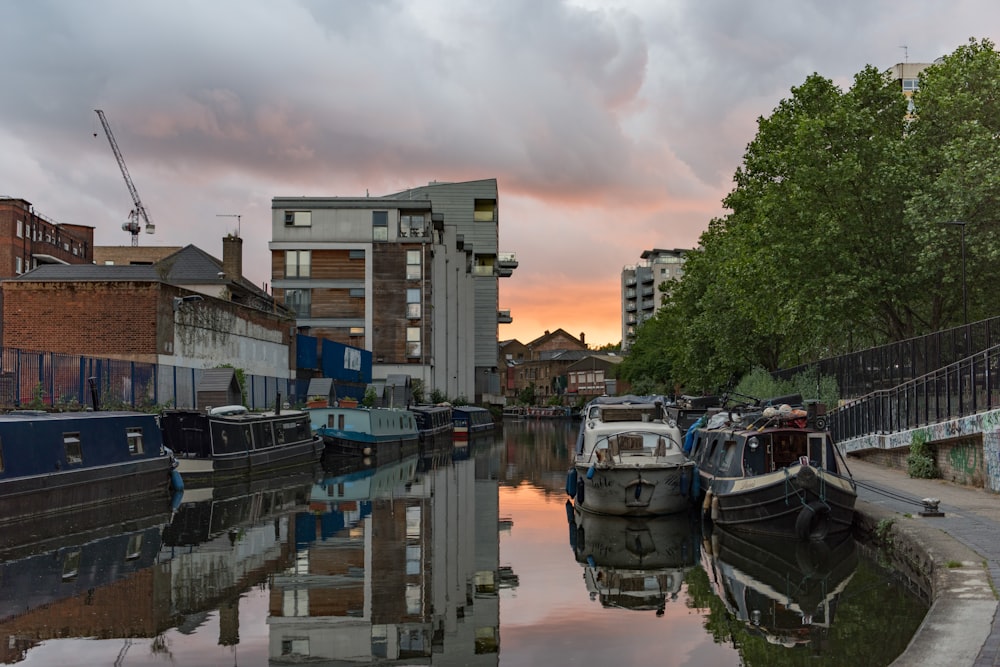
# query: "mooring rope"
{"points": [[894, 495]]}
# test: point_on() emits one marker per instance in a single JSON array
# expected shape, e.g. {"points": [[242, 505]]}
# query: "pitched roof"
{"points": [[217, 379], [189, 265]]}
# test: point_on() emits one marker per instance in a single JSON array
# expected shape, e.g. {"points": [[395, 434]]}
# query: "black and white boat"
{"points": [[230, 442]]}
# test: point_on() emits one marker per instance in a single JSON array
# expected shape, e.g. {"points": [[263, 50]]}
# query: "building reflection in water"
{"points": [[395, 563]]}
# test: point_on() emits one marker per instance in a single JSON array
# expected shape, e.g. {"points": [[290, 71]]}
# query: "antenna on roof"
{"points": [[906, 53]]}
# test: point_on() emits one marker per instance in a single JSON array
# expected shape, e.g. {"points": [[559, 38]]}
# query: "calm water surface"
{"points": [[465, 556]]}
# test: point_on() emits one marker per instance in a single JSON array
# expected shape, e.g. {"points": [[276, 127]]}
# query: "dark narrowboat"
{"points": [[230, 442], [773, 469]]}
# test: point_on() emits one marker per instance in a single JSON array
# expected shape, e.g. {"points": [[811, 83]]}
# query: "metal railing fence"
{"points": [[959, 389], [887, 366]]}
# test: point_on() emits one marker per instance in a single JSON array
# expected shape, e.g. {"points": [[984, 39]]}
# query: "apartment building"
{"points": [[412, 277], [29, 239], [644, 285]]}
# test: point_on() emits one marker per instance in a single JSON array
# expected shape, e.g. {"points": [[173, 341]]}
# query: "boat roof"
{"points": [[35, 415]]}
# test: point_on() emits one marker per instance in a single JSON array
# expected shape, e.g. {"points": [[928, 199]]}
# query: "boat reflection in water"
{"points": [[635, 563], [785, 591], [79, 585], [397, 568]]}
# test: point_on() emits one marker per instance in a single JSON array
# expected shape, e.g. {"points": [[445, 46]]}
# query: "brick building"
{"points": [[557, 364], [29, 239], [185, 310]]}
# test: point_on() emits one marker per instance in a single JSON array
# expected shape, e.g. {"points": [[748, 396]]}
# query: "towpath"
{"points": [[962, 549]]}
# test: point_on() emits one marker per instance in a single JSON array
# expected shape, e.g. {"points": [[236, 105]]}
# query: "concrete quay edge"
{"points": [[959, 623]]}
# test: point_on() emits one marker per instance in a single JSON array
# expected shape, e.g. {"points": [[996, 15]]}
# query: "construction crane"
{"points": [[138, 213]]}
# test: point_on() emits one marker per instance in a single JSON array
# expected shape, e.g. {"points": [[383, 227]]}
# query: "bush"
{"points": [[920, 462]]}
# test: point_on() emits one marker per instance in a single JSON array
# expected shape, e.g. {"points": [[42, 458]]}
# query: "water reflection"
{"points": [[782, 590], [633, 563], [418, 562], [388, 572]]}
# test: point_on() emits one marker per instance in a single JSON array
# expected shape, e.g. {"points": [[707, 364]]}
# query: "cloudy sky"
{"points": [[612, 126]]}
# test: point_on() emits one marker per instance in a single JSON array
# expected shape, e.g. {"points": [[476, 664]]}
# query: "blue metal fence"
{"points": [[51, 380]]}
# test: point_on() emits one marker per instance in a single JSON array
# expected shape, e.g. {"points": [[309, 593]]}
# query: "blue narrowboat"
{"points": [[373, 435], [55, 462], [471, 420]]}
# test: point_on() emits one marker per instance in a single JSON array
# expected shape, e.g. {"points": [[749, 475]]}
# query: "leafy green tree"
{"points": [[952, 146]]}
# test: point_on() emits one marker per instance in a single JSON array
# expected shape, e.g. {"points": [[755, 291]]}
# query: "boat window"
{"points": [[71, 565], [727, 455], [71, 443], [134, 436], [134, 547]]}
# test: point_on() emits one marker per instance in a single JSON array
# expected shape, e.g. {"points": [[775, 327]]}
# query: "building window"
{"points": [[18, 266], [298, 218], [380, 225], [413, 265], [297, 263], [413, 341], [413, 304], [356, 292], [411, 226], [299, 301], [910, 84], [356, 254], [485, 210], [20, 229]]}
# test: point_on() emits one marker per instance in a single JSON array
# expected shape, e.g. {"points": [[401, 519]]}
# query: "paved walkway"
{"points": [[963, 547]]}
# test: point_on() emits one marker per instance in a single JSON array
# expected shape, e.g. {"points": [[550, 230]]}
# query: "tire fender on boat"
{"points": [[715, 509], [813, 522]]}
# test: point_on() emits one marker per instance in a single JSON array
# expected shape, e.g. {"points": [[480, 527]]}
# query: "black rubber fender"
{"points": [[813, 521]]}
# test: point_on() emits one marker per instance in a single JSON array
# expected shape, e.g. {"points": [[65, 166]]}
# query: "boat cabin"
{"points": [[759, 443]]}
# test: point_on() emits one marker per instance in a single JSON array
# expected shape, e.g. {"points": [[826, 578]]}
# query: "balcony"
{"points": [[506, 263], [503, 317]]}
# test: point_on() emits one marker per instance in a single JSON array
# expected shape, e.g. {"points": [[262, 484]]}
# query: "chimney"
{"points": [[232, 257], [583, 338]]}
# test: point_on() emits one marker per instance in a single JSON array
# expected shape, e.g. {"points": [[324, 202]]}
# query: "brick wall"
{"points": [[88, 318], [960, 460]]}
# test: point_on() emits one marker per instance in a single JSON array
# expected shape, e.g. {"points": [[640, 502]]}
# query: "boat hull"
{"points": [[374, 451], [636, 490], [223, 469], [216, 449], [802, 502]]}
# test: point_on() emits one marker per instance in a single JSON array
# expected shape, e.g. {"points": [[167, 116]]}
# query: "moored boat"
{"points": [[774, 469], [433, 419], [51, 463], [629, 460], [374, 435], [230, 442], [471, 420]]}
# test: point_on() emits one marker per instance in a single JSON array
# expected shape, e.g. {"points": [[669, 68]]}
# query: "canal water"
{"points": [[460, 556]]}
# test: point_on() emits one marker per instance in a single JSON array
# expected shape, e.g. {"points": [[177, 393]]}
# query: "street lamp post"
{"points": [[965, 290]]}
